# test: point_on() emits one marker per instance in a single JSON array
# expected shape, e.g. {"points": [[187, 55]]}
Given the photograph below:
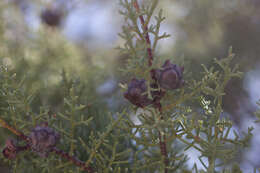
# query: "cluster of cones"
{"points": [[169, 77], [42, 140]]}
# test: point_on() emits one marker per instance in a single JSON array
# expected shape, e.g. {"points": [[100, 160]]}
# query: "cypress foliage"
{"points": [[53, 122]]}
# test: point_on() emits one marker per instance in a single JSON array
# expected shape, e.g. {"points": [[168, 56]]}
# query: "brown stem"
{"points": [[163, 149], [23, 148], [59, 152], [13, 130], [162, 142], [147, 38], [73, 159]]}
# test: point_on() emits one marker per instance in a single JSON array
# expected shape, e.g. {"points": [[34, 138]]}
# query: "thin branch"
{"points": [[73, 159], [57, 151], [184, 98], [162, 139], [14, 131], [147, 38], [163, 149]]}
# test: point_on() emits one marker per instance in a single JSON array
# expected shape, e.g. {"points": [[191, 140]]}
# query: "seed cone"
{"points": [[43, 140], [169, 77], [10, 149], [51, 17], [136, 93]]}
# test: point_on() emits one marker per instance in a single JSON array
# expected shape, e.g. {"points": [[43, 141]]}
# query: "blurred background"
{"points": [[46, 40]]}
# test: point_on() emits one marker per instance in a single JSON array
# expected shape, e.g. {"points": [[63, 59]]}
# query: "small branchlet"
{"points": [[258, 113], [169, 78], [209, 134], [42, 140]]}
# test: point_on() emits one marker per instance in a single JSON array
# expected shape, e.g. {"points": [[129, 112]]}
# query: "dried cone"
{"points": [[136, 93], [10, 149], [43, 140], [170, 76], [51, 17]]}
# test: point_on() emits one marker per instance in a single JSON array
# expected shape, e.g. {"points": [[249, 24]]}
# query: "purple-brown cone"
{"points": [[10, 149], [51, 17], [170, 76], [136, 93], [43, 140]]}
